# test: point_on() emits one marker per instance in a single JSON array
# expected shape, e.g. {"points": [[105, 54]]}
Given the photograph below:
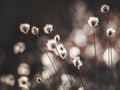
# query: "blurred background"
{"points": [[70, 20]]}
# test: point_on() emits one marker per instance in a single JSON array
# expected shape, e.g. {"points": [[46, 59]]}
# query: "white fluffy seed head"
{"points": [[51, 45], [105, 8], [77, 62], [35, 30], [23, 69], [57, 38], [24, 28], [61, 50], [19, 48], [64, 77], [8, 79], [23, 82], [93, 21], [115, 57], [110, 32], [48, 28], [74, 51], [45, 59]]}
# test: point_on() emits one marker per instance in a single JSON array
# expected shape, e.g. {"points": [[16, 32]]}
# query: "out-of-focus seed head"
{"points": [[110, 32], [74, 51], [48, 28], [81, 88], [8, 79], [19, 48], [45, 59], [105, 8], [115, 57], [64, 77], [66, 81], [93, 21], [77, 62], [24, 28], [35, 30], [23, 69]]}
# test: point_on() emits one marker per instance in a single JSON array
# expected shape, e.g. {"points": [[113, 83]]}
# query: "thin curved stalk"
{"points": [[52, 63], [40, 52], [83, 83], [107, 20], [109, 62], [111, 65], [44, 49], [65, 68], [94, 37], [79, 77], [49, 81]]}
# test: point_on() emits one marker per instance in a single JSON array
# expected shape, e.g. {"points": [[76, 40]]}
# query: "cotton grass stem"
{"points": [[94, 37], [44, 49], [111, 64], [65, 68], [83, 83]]}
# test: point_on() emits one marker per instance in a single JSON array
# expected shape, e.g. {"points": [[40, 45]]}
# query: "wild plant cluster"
{"points": [[78, 64]]}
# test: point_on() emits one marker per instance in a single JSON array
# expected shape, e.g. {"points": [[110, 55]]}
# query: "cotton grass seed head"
{"points": [[45, 59], [8, 79], [62, 52], [57, 38], [60, 47], [23, 69], [74, 51], [115, 57], [48, 28], [24, 28], [64, 78], [110, 32], [51, 45], [93, 21], [35, 30], [66, 81], [23, 82], [105, 8], [19, 48], [37, 78], [77, 62]]}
